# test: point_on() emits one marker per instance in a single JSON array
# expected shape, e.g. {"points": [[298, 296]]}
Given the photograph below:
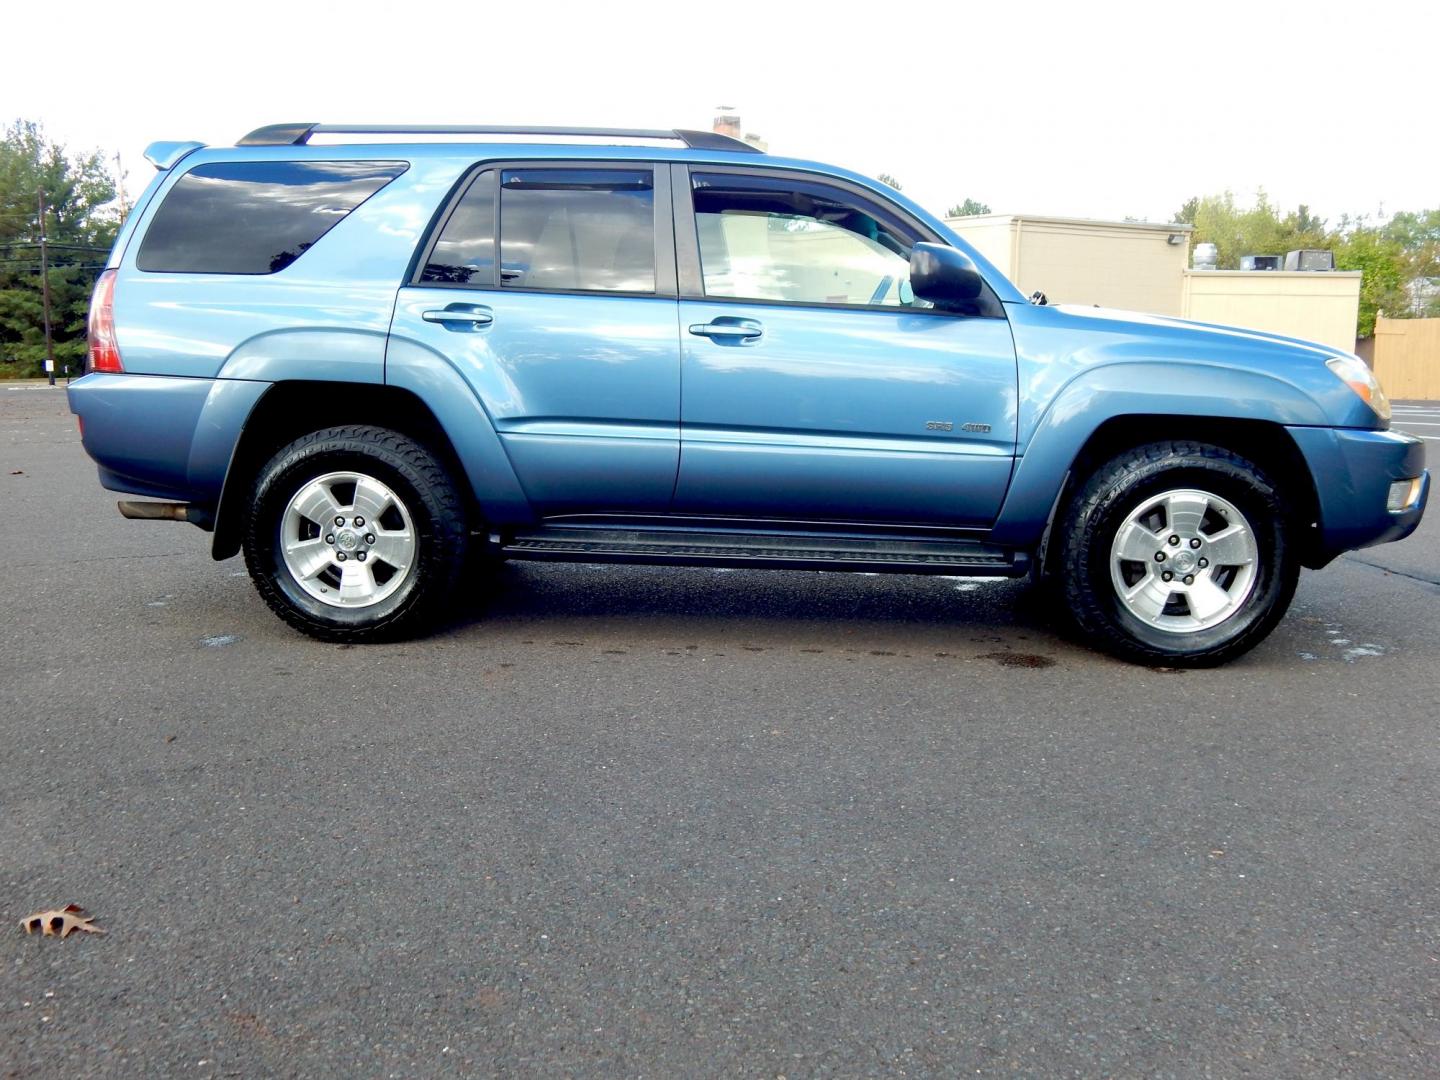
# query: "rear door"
{"points": [[815, 385], [569, 336]]}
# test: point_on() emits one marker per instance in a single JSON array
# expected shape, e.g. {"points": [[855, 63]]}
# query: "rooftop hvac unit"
{"points": [[1310, 259], [1261, 262]]}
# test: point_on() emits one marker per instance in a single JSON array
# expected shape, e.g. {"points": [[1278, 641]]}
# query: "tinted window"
{"points": [[767, 238], [578, 229], [255, 217], [465, 252]]}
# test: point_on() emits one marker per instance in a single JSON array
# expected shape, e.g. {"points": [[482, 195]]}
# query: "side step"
{"points": [[809, 551]]}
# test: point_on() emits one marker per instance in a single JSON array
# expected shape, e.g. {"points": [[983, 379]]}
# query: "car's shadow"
{"points": [[646, 601]]}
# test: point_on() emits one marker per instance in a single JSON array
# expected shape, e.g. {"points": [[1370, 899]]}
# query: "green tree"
{"points": [[1418, 234], [1257, 230], [968, 208], [1188, 209], [1382, 264], [886, 178], [80, 225]]}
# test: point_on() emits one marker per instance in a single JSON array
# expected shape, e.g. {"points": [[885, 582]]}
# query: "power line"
{"points": [[56, 266], [68, 247], [35, 257]]}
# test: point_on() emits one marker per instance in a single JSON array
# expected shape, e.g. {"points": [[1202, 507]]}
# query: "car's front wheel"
{"points": [[1178, 553], [355, 533]]}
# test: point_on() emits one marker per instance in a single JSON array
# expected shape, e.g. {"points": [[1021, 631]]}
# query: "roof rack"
{"points": [[299, 134]]}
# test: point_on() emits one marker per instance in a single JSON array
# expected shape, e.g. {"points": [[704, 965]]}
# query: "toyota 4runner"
{"points": [[365, 362]]}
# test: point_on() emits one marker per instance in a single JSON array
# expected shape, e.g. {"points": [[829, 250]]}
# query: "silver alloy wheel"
{"points": [[1184, 561], [348, 540]]}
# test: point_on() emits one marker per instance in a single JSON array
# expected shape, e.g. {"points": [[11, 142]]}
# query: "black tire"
{"points": [[1122, 486], [425, 491]]}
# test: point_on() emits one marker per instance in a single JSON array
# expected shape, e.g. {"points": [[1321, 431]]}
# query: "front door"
{"points": [[569, 337], [815, 385]]}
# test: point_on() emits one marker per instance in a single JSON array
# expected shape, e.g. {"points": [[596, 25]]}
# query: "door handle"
{"points": [[738, 331], [476, 316]]}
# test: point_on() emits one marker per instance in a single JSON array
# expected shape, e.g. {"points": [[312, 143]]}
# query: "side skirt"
{"points": [[894, 554]]}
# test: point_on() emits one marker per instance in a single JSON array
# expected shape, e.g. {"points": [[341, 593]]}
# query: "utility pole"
{"points": [[120, 184], [45, 290]]}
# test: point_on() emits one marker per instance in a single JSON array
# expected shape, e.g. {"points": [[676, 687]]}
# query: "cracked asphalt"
{"points": [[673, 822]]}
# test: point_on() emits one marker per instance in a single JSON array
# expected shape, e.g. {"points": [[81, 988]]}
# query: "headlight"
{"points": [[1353, 372]]}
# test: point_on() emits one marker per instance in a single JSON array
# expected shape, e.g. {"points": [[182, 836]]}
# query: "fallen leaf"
{"points": [[59, 922]]}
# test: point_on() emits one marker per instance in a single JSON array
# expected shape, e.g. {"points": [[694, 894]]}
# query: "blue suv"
{"points": [[368, 356]]}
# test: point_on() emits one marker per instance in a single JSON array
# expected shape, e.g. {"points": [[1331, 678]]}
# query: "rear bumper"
{"points": [[165, 437], [1353, 470]]}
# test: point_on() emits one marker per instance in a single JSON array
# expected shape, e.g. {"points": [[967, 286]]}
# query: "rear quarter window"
{"points": [[255, 217]]}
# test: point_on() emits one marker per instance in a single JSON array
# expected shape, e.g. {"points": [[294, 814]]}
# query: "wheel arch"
{"points": [[1200, 399], [1267, 443], [290, 409]]}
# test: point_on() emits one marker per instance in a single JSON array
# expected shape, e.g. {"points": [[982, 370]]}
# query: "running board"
{"points": [[811, 551]]}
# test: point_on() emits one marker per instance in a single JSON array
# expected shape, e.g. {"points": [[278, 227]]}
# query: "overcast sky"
{"points": [[1101, 110]]}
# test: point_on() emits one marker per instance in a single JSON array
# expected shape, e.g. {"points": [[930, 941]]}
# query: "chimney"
{"points": [[728, 122]]}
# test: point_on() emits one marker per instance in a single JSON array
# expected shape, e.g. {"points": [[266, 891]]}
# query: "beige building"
{"points": [[1143, 266], [1131, 265], [1316, 305]]}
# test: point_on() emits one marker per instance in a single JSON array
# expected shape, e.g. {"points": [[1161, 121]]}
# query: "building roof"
{"points": [[1090, 223]]}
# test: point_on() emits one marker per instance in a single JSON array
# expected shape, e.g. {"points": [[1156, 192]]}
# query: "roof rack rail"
{"points": [[299, 134]]}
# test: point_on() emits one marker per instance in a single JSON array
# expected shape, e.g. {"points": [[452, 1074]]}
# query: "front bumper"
{"points": [[1353, 470]]}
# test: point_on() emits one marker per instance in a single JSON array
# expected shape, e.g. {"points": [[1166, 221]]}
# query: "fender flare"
{"points": [[455, 414], [458, 409], [1145, 390]]}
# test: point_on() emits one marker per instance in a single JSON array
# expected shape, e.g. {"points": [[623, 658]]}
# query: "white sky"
{"points": [[1098, 110]]}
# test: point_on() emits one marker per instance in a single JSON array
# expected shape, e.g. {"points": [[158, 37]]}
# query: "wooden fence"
{"points": [[1407, 358]]}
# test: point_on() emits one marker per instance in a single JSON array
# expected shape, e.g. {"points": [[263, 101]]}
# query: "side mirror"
{"points": [[944, 276]]}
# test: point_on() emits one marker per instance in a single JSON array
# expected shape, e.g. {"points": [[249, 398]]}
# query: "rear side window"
{"points": [[560, 230], [581, 229], [255, 217], [465, 252]]}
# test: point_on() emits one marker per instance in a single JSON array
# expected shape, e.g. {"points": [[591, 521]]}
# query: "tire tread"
{"points": [[444, 563], [1084, 601]]}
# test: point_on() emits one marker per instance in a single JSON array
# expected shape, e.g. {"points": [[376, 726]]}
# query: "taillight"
{"points": [[104, 352]]}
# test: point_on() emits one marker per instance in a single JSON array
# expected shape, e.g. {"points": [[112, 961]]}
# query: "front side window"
{"points": [[764, 238], [255, 217]]}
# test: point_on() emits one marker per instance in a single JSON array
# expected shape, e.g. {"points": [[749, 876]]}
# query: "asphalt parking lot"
{"points": [[656, 822]]}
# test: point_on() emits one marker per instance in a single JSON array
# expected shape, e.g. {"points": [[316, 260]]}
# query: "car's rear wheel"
{"points": [[1177, 553], [355, 533]]}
